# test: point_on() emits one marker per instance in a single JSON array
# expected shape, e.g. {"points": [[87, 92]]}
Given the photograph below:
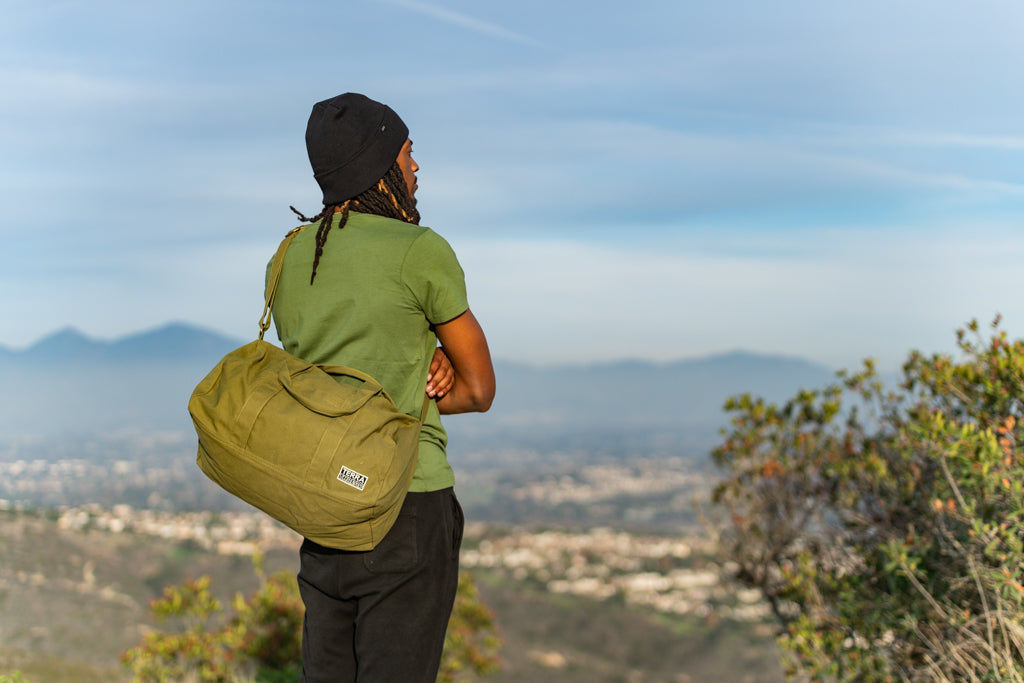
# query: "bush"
{"points": [[260, 640], [886, 527], [471, 643]]}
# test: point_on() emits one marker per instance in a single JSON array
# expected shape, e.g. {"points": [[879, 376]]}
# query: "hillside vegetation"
{"points": [[886, 526], [72, 600]]}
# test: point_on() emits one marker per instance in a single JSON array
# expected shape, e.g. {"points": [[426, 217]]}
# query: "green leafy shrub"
{"points": [[886, 527], [471, 643], [259, 640]]}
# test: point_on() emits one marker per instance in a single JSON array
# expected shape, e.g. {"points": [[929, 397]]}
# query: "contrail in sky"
{"points": [[460, 19]]}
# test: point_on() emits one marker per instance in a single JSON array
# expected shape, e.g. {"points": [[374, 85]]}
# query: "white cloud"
{"points": [[67, 88], [835, 297]]}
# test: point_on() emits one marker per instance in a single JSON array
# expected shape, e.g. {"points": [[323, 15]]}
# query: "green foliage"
{"points": [[886, 528], [471, 643], [260, 639], [15, 677]]}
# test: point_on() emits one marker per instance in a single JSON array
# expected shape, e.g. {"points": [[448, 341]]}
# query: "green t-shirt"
{"points": [[380, 286]]}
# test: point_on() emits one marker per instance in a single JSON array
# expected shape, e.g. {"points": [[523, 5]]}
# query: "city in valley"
{"points": [[675, 572], [587, 561]]}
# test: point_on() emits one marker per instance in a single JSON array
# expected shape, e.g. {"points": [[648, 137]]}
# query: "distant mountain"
{"points": [[67, 343], [174, 341], [615, 404], [68, 383]]}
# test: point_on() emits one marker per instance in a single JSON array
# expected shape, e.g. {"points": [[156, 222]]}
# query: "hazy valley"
{"points": [[584, 485]]}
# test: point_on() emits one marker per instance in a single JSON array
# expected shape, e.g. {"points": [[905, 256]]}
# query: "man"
{"points": [[371, 289]]}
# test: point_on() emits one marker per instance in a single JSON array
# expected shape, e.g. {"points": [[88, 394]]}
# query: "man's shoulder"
{"points": [[371, 231], [391, 229], [383, 223]]}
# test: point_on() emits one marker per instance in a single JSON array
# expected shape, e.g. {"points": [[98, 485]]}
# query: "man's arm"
{"points": [[464, 343]]}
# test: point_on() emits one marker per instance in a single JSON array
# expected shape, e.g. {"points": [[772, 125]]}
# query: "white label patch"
{"points": [[352, 478]]}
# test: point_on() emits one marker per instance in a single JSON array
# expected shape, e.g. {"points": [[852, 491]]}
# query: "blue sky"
{"points": [[660, 180]]}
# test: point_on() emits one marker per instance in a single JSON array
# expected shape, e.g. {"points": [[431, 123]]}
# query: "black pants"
{"points": [[380, 616]]}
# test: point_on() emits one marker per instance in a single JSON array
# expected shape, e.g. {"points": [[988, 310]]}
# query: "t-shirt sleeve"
{"points": [[433, 274]]}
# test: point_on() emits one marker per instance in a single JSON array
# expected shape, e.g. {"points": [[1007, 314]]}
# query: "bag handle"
{"points": [[272, 281], [321, 398], [350, 372], [359, 374], [329, 406]]}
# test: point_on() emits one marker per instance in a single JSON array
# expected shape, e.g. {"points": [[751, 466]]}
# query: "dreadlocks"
{"points": [[390, 197]]}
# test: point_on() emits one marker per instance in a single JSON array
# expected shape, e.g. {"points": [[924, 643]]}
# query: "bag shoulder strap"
{"points": [[272, 281], [275, 277], [426, 404]]}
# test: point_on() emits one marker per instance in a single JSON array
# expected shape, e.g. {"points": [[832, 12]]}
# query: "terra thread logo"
{"points": [[352, 478]]}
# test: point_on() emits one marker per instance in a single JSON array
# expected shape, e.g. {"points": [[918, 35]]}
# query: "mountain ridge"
{"points": [[178, 338], [175, 339], [69, 383]]}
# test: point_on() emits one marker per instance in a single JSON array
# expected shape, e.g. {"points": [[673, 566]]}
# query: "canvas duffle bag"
{"points": [[331, 460]]}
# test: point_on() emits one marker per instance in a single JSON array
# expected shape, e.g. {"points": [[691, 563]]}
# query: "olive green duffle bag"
{"points": [[332, 460]]}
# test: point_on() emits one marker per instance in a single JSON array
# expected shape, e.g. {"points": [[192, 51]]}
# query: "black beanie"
{"points": [[352, 141]]}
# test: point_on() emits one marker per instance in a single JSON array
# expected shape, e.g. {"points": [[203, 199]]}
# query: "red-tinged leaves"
{"points": [[886, 524]]}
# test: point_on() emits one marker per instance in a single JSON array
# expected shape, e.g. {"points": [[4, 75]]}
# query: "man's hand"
{"points": [[441, 377]]}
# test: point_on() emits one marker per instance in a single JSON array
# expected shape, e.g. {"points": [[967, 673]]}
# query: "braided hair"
{"points": [[390, 197]]}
